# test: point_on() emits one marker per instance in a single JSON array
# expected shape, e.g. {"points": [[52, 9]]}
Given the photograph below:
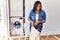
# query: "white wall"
{"points": [[3, 23]]}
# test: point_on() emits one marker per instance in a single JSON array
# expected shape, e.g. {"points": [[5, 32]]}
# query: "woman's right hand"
{"points": [[32, 24]]}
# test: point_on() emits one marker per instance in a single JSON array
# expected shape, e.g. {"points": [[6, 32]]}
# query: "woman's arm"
{"points": [[38, 22], [31, 22], [41, 21]]}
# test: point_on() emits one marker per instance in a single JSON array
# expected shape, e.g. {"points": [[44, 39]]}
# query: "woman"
{"points": [[37, 17]]}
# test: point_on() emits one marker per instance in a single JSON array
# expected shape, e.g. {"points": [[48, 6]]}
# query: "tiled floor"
{"points": [[55, 37]]}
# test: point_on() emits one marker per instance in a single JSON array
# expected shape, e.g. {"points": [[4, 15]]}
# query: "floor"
{"points": [[51, 37]]}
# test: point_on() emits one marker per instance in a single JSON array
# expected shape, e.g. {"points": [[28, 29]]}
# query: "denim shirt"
{"points": [[42, 16]]}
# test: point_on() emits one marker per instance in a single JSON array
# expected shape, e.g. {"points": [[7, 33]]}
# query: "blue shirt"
{"points": [[42, 16]]}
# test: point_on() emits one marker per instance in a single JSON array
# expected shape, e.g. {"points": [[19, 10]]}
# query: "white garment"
{"points": [[37, 15], [35, 34]]}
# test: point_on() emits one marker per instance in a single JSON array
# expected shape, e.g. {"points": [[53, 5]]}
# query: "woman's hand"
{"points": [[32, 24], [36, 23]]}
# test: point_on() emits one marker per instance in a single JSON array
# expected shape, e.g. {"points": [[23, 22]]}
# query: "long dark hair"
{"points": [[35, 5]]}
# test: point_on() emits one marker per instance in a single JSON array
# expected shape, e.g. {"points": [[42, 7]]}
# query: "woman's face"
{"points": [[38, 7]]}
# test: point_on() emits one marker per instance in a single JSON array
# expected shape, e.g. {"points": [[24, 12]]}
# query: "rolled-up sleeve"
{"points": [[30, 14], [44, 17]]}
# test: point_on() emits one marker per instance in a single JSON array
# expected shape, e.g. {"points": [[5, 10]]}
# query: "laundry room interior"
{"points": [[17, 11]]}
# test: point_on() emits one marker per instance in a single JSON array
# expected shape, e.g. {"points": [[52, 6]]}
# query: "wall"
{"points": [[3, 22]]}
